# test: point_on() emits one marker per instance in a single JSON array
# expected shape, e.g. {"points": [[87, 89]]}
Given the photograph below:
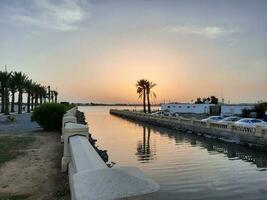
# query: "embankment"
{"points": [[255, 136]]}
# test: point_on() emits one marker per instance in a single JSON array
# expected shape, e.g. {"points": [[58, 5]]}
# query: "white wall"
{"points": [[234, 109], [187, 108]]}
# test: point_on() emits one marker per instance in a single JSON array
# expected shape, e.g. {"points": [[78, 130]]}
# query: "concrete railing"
{"points": [[89, 176], [226, 131]]}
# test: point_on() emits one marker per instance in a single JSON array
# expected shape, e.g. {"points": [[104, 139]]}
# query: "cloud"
{"points": [[56, 15], [206, 31]]}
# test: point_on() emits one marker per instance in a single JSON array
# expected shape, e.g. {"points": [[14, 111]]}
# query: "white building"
{"points": [[234, 109], [187, 108]]}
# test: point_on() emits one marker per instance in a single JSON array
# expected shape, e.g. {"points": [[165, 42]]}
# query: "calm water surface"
{"points": [[185, 165]]}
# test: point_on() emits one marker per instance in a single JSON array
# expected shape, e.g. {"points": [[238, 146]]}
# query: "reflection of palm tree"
{"points": [[143, 147]]}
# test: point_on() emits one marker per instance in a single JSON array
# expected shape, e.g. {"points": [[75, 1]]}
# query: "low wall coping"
{"points": [[74, 127], [112, 183]]}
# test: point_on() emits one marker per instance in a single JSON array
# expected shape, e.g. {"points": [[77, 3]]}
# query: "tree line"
{"points": [[144, 90], [12, 83], [210, 100]]}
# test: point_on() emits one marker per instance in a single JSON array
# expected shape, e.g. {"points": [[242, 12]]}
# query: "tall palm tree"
{"points": [[42, 93], [141, 91], [56, 94], [33, 88], [20, 79], [36, 92], [52, 96], [149, 92], [13, 88], [4, 79], [49, 93], [28, 89]]}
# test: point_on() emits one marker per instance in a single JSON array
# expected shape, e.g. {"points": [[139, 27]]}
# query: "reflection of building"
{"points": [[256, 156], [143, 147], [187, 108]]}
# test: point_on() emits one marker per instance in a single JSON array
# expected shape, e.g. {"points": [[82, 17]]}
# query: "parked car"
{"points": [[157, 113], [213, 118], [250, 122], [230, 119], [175, 114]]}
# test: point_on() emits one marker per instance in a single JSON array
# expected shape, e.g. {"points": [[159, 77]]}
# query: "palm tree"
{"points": [[149, 92], [42, 93], [13, 88], [28, 89], [49, 93], [52, 96], [36, 92], [20, 79], [56, 94], [4, 79], [33, 88], [141, 91]]}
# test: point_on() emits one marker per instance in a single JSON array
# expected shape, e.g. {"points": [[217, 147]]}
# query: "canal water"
{"points": [[185, 165]]}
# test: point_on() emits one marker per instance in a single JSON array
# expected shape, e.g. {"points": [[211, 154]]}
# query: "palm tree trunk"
{"points": [[144, 101], [2, 99], [56, 98], [13, 102], [32, 102], [36, 101], [41, 100], [6, 101], [148, 103], [20, 102], [29, 103]]}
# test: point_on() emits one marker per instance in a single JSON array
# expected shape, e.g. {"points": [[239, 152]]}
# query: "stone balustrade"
{"points": [[230, 132], [89, 176]]}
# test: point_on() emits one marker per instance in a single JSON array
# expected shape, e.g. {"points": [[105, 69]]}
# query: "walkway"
{"points": [[22, 124]]}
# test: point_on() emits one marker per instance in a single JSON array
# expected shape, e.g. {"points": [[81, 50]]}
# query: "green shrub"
{"points": [[49, 116]]}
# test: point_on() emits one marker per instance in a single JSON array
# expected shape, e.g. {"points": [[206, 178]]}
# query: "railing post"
{"points": [[208, 124], [230, 126], [71, 129], [192, 120], [259, 130], [67, 119]]}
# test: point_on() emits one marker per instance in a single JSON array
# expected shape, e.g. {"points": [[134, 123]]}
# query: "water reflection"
{"points": [[143, 150], [232, 151], [186, 166]]}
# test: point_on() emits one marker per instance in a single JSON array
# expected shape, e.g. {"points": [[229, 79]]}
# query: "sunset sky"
{"points": [[95, 50]]}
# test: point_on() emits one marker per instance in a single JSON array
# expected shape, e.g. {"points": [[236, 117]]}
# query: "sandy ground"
{"points": [[36, 173]]}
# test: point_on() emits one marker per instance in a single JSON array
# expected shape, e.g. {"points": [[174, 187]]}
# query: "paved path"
{"points": [[22, 124]]}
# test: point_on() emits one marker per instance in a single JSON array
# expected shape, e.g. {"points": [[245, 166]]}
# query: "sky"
{"points": [[96, 50]]}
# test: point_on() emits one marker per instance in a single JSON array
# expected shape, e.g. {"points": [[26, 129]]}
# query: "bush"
{"points": [[49, 116]]}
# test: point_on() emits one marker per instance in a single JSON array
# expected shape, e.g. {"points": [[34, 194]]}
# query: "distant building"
{"points": [[187, 108], [234, 109]]}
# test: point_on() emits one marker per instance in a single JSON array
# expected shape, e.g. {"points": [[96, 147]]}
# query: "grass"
{"points": [[11, 148], [15, 197]]}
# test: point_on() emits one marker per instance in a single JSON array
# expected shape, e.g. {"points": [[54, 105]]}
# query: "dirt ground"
{"points": [[36, 173]]}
